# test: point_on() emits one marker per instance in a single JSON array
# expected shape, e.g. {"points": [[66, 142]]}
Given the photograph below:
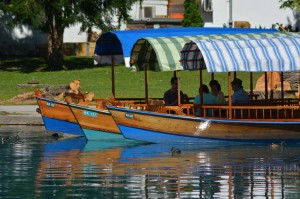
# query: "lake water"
{"points": [[39, 166]]}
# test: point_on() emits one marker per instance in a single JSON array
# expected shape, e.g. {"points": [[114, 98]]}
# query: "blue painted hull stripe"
{"points": [[102, 135], [62, 126], [148, 135]]}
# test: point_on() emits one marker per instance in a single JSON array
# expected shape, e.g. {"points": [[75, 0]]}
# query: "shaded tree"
{"points": [[295, 6], [292, 4], [192, 15], [53, 16]]}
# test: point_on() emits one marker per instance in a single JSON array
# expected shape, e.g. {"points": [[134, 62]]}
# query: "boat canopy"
{"points": [[120, 43], [163, 53], [254, 54]]}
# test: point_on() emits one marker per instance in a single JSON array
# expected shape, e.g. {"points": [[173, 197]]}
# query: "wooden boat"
{"points": [[58, 117], [56, 114], [97, 124], [264, 121], [93, 122], [167, 128]]}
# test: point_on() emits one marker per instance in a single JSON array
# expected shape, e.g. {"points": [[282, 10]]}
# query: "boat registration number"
{"points": [[90, 113], [129, 115], [50, 104]]}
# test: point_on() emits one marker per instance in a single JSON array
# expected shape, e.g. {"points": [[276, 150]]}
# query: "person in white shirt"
{"points": [[215, 89]]}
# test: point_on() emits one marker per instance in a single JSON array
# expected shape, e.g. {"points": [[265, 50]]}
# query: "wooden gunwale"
{"points": [[212, 119]]}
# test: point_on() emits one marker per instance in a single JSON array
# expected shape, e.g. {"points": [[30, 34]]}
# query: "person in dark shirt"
{"points": [[171, 95], [240, 96]]}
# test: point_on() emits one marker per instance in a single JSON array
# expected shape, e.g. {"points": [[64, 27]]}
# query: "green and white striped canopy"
{"points": [[163, 53]]}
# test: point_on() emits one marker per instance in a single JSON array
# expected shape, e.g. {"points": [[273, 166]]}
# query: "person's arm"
{"points": [[234, 99], [221, 98], [184, 98], [197, 101], [174, 103], [168, 99]]}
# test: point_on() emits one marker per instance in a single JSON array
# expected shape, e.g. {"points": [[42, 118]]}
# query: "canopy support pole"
{"points": [[251, 86], [201, 92], [146, 85], [230, 14], [212, 76], [271, 86], [281, 85], [178, 88], [113, 76], [229, 97], [266, 87]]}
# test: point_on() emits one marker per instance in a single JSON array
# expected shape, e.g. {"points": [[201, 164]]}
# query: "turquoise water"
{"points": [[39, 166]]}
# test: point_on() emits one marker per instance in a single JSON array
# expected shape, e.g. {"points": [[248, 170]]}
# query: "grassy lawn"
{"points": [[98, 78]]}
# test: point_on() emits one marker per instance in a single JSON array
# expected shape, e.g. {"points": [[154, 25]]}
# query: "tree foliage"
{"points": [[53, 16], [192, 15], [292, 4]]}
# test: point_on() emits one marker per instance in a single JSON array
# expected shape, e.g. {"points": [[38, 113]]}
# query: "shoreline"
{"points": [[20, 115]]}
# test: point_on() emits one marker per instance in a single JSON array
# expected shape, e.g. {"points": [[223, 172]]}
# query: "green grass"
{"points": [[98, 78]]}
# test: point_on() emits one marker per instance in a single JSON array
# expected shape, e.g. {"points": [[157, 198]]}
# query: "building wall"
{"points": [[159, 9], [259, 13], [74, 35]]}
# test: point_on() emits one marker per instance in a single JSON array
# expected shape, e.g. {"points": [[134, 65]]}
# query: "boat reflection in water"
{"points": [[113, 170]]}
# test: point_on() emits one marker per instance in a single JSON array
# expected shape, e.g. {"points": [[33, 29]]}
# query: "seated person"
{"points": [[240, 96], [171, 95], [208, 98], [215, 88]]}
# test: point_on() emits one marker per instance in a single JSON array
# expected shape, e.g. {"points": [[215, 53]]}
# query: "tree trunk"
{"points": [[55, 45]]}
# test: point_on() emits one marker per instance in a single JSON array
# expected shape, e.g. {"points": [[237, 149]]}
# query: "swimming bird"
{"points": [[278, 145], [175, 150], [5, 139], [55, 135], [16, 138]]}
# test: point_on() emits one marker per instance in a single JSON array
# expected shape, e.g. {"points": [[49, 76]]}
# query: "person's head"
{"points": [[236, 84], [174, 82], [204, 89], [213, 82], [215, 87]]}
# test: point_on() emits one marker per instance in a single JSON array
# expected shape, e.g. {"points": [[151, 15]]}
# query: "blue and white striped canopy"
{"points": [[243, 54]]}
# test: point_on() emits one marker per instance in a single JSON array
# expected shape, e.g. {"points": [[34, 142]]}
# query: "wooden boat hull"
{"points": [[166, 128], [58, 117], [96, 124]]}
